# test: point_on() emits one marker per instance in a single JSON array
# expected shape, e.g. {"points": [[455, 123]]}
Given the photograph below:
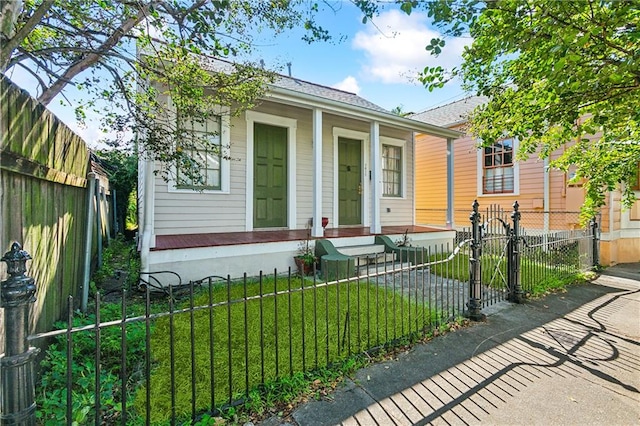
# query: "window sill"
{"points": [[500, 194], [195, 191]]}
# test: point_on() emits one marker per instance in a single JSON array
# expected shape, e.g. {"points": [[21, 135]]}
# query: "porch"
{"points": [[196, 256], [184, 241]]}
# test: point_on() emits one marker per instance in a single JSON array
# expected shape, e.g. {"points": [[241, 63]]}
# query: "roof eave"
{"points": [[291, 96]]}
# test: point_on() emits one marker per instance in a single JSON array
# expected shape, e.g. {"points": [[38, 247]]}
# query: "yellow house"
{"points": [[450, 174]]}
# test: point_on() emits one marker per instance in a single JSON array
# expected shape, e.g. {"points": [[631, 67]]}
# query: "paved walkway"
{"points": [[571, 358]]}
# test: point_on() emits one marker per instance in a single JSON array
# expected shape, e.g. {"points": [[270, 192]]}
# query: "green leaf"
{"points": [[407, 7], [543, 68]]}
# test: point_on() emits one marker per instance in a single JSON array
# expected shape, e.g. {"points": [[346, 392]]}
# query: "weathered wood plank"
{"points": [[18, 164], [43, 167]]}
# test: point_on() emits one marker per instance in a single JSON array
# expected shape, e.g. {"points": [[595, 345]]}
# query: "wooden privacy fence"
{"points": [[43, 200]]}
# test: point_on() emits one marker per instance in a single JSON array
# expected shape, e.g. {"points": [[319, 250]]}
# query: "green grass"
{"points": [[539, 272], [266, 339]]}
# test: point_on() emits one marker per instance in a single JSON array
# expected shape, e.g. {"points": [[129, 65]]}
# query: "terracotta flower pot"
{"points": [[304, 268]]}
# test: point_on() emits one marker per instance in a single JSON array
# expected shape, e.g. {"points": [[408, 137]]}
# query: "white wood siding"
{"points": [[399, 211], [209, 212], [205, 212]]}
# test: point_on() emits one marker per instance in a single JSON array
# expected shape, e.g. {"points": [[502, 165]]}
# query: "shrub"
{"points": [[52, 396]]}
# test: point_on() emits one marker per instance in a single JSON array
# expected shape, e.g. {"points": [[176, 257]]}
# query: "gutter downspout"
{"points": [[91, 186], [147, 206]]}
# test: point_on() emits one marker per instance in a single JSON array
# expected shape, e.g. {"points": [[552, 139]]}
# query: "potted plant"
{"points": [[405, 240], [306, 258]]}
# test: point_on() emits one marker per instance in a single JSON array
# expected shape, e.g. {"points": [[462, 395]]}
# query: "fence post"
{"points": [[515, 287], [595, 243], [18, 388], [475, 273], [98, 195]]}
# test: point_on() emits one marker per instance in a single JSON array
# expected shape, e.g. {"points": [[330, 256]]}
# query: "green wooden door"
{"points": [[270, 176], [349, 182]]}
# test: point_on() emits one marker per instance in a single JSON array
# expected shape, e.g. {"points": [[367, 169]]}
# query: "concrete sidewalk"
{"points": [[570, 358]]}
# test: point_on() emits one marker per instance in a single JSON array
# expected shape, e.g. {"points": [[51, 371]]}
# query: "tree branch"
{"points": [[8, 46], [41, 82], [62, 49], [118, 82], [92, 58], [41, 64]]}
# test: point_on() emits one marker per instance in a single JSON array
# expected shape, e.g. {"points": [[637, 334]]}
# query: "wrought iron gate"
{"points": [[495, 261]]}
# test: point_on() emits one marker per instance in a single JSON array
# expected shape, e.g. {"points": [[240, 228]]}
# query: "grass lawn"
{"points": [[240, 345], [539, 272]]}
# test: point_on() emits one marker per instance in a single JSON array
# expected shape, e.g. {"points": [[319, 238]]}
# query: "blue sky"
{"points": [[378, 61]]}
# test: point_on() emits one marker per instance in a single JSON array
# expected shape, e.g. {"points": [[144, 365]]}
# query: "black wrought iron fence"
{"points": [[552, 260], [184, 351], [215, 342]]}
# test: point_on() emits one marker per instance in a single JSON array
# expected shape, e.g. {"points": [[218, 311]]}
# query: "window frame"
{"points": [[481, 168], [386, 160], [222, 113], [401, 145], [204, 153]]}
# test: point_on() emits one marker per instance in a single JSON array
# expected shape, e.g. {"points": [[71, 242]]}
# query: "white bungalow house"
{"points": [[307, 152]]}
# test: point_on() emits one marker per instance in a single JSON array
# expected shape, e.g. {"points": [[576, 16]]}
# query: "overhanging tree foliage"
{"points": [[94, 45], [560, 75], [556, 72]]}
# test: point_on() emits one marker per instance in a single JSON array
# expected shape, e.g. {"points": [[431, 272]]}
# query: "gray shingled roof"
{"points": [[304, 87], [351, 101], [450, 114], [313, 89]]}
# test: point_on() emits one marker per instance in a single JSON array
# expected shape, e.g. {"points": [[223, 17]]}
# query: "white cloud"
{"points": [[395, 47], [349, 84]]}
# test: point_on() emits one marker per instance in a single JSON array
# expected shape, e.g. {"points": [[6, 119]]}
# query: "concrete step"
{"points": [[361, 250], [367, 254], [373, 258]]}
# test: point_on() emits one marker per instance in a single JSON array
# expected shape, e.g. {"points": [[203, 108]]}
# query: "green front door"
{"points": [[349, 182], [270, 176]]}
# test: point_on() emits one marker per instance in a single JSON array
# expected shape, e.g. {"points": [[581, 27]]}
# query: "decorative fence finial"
{"points": [[17, 403], [515, 214], [16, 260], [475, 213]]}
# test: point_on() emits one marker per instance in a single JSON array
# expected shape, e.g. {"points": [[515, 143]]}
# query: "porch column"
{"points": [[376, 178], [450, 223], [317, 230]]}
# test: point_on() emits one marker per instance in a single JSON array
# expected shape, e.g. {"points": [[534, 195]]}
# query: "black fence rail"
{"points": [[551, 260], [171, 354]]}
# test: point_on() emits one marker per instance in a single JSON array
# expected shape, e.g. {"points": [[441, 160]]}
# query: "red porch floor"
{"points": [[170, 242]]}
